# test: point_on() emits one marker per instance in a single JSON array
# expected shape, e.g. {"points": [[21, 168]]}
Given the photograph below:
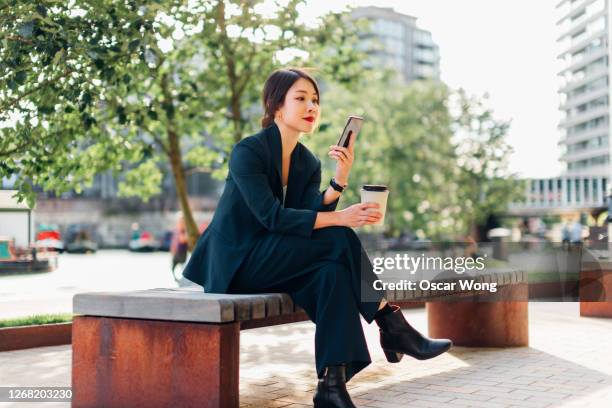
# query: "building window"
{"points": [[388, 28]]}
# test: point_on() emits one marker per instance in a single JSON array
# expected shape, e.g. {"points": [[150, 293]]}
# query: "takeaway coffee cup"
{"points": [[376, 193]]}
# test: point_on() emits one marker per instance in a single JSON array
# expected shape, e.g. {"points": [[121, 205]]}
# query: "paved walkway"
{"points": [[569, 364]]}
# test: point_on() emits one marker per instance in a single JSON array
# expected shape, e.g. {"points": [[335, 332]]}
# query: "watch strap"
{"points": [[336, 186]]}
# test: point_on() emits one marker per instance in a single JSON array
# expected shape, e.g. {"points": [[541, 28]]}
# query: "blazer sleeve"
{"points": [[313, 197], [247, 168]]}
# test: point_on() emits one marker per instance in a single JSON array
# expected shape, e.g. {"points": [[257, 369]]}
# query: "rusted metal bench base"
{"points": [[596, 285], [147, 363], [482, 324]]}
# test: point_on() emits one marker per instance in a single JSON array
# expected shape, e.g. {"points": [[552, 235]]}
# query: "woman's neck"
{"points": [[289, 138]]}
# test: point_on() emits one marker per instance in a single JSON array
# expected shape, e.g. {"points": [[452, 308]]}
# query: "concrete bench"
{"points": [[180, 347]]}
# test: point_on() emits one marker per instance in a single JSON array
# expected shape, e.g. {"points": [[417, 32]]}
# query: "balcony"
{"points": [[584, 135], [584, 41], [586, 153], [584, 116], [588, 77], [584, 98], [572, 10], [586, 59], [597, 170]]}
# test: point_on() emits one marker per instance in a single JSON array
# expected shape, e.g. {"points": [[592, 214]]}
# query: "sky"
{"points": [[506, 49]]}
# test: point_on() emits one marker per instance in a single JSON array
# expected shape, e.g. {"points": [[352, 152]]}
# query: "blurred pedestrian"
{"points": [[179, 246], [565, 236], [576, 233]]}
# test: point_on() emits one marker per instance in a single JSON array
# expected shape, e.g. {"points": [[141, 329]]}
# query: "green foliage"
{"points": [[414, 143], [143, 181], [96, 85], [88, 86], [487, 186], [69, 68]]}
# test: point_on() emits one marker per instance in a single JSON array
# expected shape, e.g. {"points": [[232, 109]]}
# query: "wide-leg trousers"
{"points": [[330, 276]]}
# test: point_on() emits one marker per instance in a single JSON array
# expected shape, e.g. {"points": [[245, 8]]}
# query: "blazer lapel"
{"points": [[296, 169], [276, 155]]}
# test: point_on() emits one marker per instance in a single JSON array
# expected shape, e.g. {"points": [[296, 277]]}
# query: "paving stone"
{"points": [[470, 403], [277, 368], [446, 388], [557, 396], [522, 403]]}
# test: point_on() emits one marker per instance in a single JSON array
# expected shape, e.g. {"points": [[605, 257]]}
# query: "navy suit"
{"points": [[256, 243]]}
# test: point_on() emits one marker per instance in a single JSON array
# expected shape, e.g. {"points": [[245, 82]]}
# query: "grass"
{"points": [[36, 320]]}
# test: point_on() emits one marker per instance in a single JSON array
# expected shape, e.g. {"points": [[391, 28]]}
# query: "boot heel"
{"points": [[393, 357]]}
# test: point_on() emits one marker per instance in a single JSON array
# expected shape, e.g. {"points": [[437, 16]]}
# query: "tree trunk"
{"points": [[230, 65], [477, 231], [237, 119], [176, 164]]}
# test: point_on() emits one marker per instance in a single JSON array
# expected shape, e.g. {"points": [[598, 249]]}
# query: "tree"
{"points": [[487, 185], [96, 85], [405, 143], [442, 154]]}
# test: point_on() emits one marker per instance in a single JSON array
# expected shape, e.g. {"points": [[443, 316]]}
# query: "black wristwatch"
{"points": [[337, 186]]}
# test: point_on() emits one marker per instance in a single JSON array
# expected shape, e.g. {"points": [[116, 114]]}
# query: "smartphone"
{"points": [[351, 129]]}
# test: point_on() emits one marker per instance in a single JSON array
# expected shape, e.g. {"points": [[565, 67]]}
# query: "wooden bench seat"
{"points": [[180, 347]]}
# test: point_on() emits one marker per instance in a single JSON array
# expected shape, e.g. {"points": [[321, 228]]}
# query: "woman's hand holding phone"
{"points": [[344, 157], [358, 215]]}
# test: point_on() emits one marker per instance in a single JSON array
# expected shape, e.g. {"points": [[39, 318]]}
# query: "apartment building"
{"points": [[395, 41], [585, 127]]}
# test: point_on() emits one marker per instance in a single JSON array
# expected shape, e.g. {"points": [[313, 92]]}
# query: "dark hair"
{"points": [[276, 87]]}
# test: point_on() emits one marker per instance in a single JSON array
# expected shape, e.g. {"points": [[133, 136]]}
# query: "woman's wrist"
{"points": [[343, 181], [339, 218], [328, 219], [330, 196]]}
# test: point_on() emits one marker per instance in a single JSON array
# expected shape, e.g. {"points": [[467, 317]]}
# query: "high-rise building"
{"points": [[395, 41], [585, 127], [583, 40]]}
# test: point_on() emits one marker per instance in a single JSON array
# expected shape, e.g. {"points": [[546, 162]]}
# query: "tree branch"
{"points": [[246, 77], [16, 149], [11, 103], [160, 143], [20, 39]]}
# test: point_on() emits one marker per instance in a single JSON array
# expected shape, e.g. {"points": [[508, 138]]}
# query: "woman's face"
{"points": [[300, 110]]}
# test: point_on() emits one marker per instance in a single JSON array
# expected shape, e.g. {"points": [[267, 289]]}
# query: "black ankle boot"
{"points": [[397, 338], [331, 390]]}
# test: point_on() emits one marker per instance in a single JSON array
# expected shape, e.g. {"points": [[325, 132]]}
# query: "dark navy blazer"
{"points": [[251, 206]]}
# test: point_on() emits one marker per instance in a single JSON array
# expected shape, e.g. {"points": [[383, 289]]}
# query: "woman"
{"points": [[274, 231]]}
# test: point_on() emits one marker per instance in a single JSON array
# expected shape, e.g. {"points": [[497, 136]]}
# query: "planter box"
{"points": [[17, 338]]}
